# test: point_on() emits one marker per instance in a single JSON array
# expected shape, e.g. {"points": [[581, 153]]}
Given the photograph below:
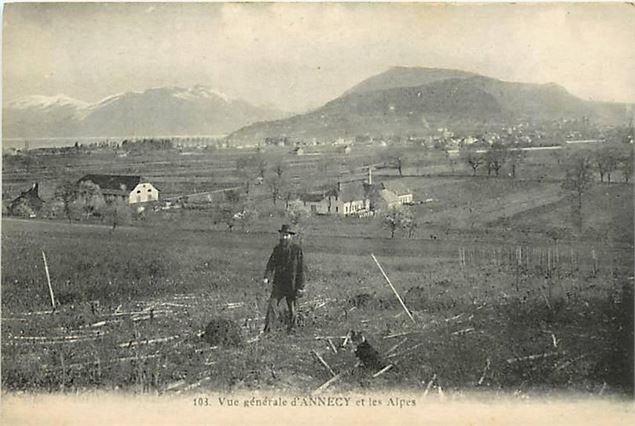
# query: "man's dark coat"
{"points": [[287, 268]]}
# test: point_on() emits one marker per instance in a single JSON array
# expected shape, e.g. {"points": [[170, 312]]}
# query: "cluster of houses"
{"points": [[133, 190], [357, 198], [344, 149]]}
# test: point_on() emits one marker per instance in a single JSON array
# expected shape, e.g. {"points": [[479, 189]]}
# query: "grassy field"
{"points": [[498, 303], [492, 324]]}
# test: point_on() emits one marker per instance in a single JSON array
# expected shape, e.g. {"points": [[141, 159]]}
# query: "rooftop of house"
{"points": [[31, 196], [313, 197], [351, 191], [396, 187], [389, 197], [113, 182]]}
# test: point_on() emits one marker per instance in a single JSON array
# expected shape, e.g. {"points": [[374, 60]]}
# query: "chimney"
{"points": [[370, 175], [339, 186]]}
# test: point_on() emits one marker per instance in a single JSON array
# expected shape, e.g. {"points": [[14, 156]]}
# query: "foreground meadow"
{"points": [[133, 305]]}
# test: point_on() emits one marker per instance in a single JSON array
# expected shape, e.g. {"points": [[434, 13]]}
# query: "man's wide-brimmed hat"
{"points": [[286, 229]]}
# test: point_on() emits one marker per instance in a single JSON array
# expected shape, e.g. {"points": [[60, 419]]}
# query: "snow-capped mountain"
{"points": [[156, 111], [38, 102]]}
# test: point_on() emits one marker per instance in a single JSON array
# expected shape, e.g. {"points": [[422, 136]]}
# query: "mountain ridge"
{"points": [[153, 111], [448, 99]]}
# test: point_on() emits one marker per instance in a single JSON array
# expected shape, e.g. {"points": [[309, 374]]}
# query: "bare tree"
{"points": [[578, 179], [66, 192], [495, 157], [118, 212], [247, 168], [90, 198], [230, 211], [397, 217], [395, 158], [606, 161], [515, 157], [261, 165], [557, 155], [279, 168], [451, 159], [277, 187], [399, 163], [626, 166], [473, 159], [410, 226]]}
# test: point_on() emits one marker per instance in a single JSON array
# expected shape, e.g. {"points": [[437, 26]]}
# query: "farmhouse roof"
{"points": [[31, 197], [351, 191], [113, 182], [389, 197], [313, 197], [396, 187]]}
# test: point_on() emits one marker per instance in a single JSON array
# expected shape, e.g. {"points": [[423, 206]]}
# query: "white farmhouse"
{"points": [[346, 199], [132, 189], [400, 190]]}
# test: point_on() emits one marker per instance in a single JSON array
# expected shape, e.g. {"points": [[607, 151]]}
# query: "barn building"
{"points": [[132, 189]]}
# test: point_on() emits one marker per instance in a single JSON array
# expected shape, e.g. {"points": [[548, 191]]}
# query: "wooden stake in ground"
{"points": [[328, 367], [48, 279], [382, 371], [393, 289], [332, 345], [328, 383], [430, 383]]}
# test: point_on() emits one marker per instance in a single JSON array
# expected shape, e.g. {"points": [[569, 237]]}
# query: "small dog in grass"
{"points": [[365, 352]]}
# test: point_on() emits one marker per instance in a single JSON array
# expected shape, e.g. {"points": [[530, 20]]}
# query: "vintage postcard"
{"points": [[357, 213]]}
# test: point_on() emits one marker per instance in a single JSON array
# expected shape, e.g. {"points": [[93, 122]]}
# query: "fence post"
{"points": [[48, 280]]}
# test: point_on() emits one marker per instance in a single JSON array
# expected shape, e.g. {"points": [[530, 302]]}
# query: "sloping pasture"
{"points": [[134, 304]]}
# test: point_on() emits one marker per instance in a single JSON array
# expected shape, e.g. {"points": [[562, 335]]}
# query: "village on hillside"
{"points": [[345, 186]]}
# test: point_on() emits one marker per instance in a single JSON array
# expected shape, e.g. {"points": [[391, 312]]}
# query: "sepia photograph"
{"points": [[353, 213]]}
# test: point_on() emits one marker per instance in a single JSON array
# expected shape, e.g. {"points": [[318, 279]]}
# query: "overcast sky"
{"points": [[298, 56]]}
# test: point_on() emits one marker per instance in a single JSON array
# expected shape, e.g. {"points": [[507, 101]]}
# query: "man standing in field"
{"points": [[286, 268]]}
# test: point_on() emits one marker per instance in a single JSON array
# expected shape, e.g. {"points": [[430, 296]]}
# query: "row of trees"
{"points": [[255, 168], [400, 218], [609, 160], [145, 145], [605, 161], [579, 176], [493, 159], [83, 201]]}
